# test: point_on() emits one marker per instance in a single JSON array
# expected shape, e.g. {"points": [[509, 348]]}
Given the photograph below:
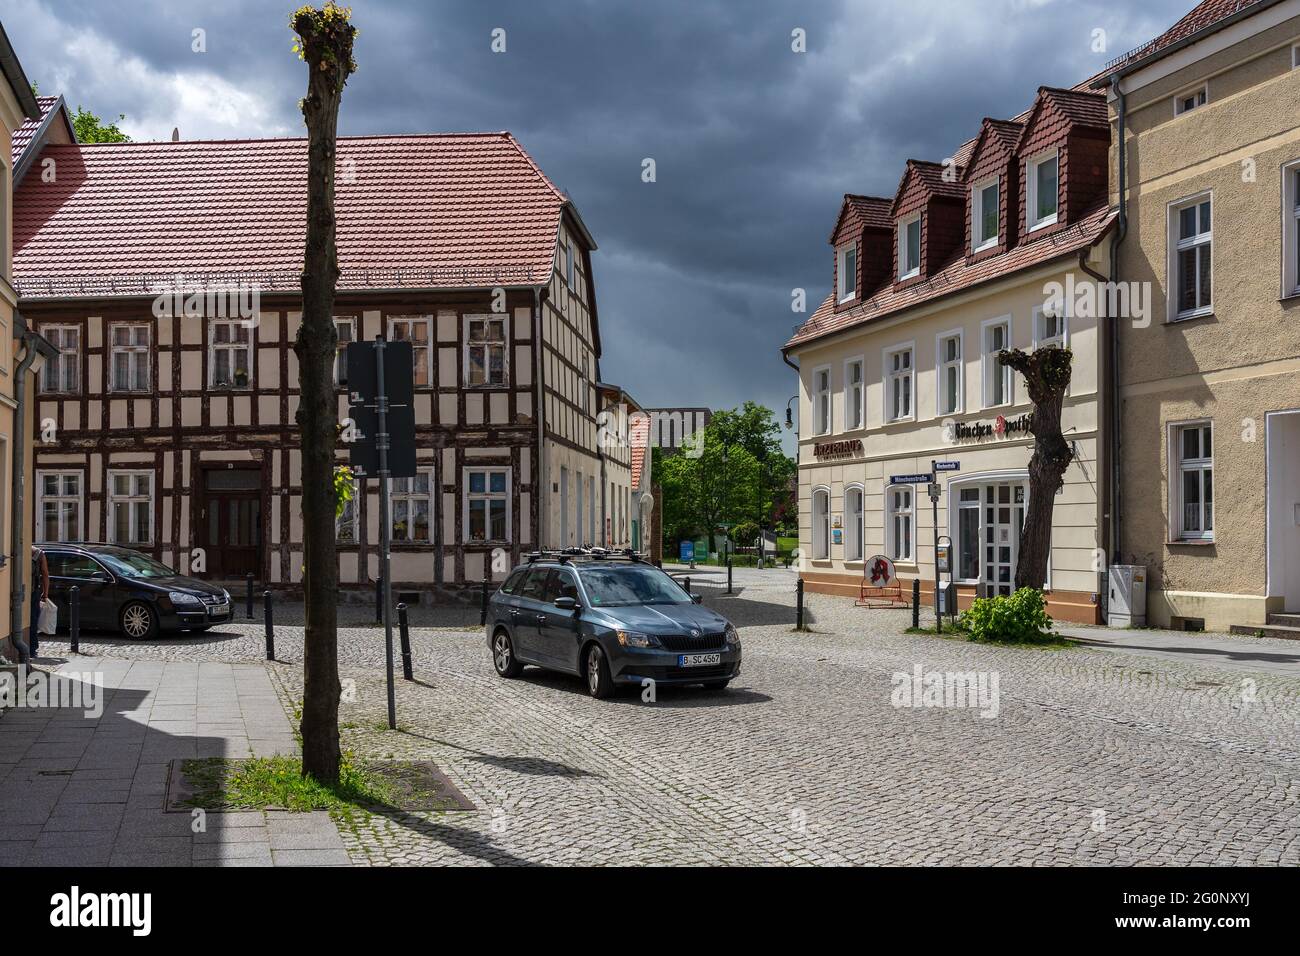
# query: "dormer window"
{"points": [[847, 273], [1187, 101], [984, 215], [909, 247], [1043, 186]]}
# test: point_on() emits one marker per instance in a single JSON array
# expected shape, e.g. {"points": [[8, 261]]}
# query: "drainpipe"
{"points": [[540, 295], [1121, 230], [17, 590]]}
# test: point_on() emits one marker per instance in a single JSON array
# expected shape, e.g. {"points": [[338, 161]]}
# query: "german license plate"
{"points": [[698, 660], [215, 610]]}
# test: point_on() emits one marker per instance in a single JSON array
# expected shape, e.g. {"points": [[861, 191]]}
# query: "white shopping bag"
{"points": [[48, 620]]}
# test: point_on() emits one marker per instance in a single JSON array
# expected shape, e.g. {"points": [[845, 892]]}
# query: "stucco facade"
{"points": [[1210, 414]]}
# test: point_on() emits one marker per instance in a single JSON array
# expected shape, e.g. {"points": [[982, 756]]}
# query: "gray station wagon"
{"points": [[610, 618]]}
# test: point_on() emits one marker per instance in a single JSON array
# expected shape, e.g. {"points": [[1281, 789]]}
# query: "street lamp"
{"points": [[789, 416]]}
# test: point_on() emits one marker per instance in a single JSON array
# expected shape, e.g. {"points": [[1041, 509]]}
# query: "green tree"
{"points": [[90, 129]]}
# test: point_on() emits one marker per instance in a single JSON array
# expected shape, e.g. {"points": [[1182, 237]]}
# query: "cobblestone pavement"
{"points": [[1093, 757]]}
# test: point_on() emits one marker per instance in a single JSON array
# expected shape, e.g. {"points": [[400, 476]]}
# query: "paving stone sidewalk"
{"points": [[81, 789]]}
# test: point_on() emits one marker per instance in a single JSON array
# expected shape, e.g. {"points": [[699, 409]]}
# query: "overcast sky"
{"points": [[754, 144]]}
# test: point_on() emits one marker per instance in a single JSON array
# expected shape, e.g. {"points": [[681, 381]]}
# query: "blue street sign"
{"points": [[688, 550], [947, 466], [911, 479]]}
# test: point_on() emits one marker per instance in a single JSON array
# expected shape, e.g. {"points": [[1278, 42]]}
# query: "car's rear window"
{"points": [[634, 584]]}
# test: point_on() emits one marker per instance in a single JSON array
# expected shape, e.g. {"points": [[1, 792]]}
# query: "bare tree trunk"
{"points": [[325, 42], [1047, 375]]}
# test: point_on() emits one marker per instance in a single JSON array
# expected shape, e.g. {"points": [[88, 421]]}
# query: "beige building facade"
{"points": [[1206, 120]]}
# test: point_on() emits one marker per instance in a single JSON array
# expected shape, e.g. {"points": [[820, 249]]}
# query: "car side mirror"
{"points": [[566, 603], [102, 576], [697, 598]]}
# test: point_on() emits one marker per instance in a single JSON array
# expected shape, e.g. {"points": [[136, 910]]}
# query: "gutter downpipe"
{"points": [[1116, 444], [540, 295], [17, 589]]}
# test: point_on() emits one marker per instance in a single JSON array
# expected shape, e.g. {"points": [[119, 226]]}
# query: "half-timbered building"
{"points": [[170, 419]]}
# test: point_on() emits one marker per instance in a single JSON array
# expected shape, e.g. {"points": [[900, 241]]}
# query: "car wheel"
{"points": [[716, 684], [139, 621], [599, 684], [503, 656]]}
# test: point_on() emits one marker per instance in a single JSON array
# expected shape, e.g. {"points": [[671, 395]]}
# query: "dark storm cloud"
{"points": [[754, 144]]}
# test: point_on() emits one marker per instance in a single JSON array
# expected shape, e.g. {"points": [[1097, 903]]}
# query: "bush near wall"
{"points": [[1019, 618]]}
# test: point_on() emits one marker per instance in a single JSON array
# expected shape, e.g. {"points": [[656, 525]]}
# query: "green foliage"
{"points": [[344, 488], [1020, 618], [325, 37], [279, 781], [90, 129], [744, 533]]}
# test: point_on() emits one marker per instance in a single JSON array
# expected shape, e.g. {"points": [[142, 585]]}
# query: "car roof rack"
{"points": [[567, 555]]}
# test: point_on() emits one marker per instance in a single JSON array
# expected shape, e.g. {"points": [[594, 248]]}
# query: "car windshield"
{"points": [[130, 564], [635, 584]]}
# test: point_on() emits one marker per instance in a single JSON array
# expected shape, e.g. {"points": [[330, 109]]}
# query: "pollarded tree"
{"points": [[325, 42], [1046, 373]]}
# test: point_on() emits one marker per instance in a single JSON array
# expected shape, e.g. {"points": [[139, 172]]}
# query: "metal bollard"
{"points": [[379, 599], [686, 585], [267, 602], [916, 602], [482, 611], [405, 630], [728, 575], [798, 604], [248, 605], [74, 619]]}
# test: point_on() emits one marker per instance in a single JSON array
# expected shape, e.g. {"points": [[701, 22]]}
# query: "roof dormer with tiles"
{"points": [[992, 190], [1063, 160], [861, 241], [927, 216]]}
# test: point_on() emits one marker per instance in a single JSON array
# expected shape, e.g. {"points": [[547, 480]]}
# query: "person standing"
{"points": [[40, 592]]}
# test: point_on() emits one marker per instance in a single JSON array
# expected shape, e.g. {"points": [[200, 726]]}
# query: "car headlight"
{"points": [[180, 597], [733, 636], [226, 595], [633, 639]]}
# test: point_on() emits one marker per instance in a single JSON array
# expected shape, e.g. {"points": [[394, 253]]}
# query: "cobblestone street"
{"points": [[1094, 756]]}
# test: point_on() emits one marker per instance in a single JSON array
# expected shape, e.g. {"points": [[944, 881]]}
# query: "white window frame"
{"points": [[1177, 467], [855, 403], [351, 515], [1290, 230], [1201, 92], [844, 275], [821, 397], [991, 367], [1041, 339], [131, 499], [908, 270], [487, 345], [855, 549], [941, 366], [488, 495], [1031, 190], [892, 512], [248, 348], [821, 546], [139, 353], [887, 361], [61, 498], [427, 347], [394, 496], [341, 321], [1177, 245], [977, 214], [65, 354]]}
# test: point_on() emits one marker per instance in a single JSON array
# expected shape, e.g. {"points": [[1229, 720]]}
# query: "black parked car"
{"points": [[610, 618], [124, 590]]}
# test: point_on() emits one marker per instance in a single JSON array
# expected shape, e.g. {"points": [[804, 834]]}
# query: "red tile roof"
{"points": [[872, 210], [955, 276], [427, 211], [23, 134], [1203, 16], [639, 437]]}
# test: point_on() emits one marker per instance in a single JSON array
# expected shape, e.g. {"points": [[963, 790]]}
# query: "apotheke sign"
{"points": [[1000, 427]]}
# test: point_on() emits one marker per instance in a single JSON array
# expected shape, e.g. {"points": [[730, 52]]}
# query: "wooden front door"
{"points": [[231, 522]]}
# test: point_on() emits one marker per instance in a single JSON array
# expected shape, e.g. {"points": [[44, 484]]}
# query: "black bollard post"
{"points": [[798, 604], [267, 602], [405, 631], [483, 603], [74, 619], [379, 599], [916, 602], [728, 575], [248, 606], [686, 585]]}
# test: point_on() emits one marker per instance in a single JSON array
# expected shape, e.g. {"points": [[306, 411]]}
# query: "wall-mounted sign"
{"points": [[838, 449], [837, 521], [924, 479], [837, 536], [947, 466], [1000, 426]]}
